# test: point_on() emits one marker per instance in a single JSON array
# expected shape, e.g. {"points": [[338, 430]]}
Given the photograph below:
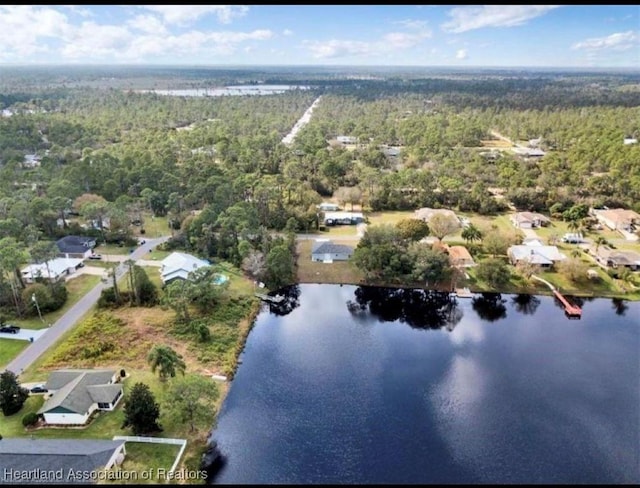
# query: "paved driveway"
{"points": [[24, 334]]}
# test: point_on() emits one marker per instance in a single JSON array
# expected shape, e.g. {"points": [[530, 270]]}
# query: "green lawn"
{"points": [[109, 249], [9, 349], [156, 255], [390, 217], [142, 457], [76, 288], [153, 226], [486, 222]]}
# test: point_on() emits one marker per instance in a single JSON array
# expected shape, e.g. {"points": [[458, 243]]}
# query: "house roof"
{"points": [[618, 215], [426, 213], [623, 258], [328, 247], [41, 456], [536, 254], [459, 253], [75, 244], [529, 217], [179, 265], [56, 267], [77, 390]]}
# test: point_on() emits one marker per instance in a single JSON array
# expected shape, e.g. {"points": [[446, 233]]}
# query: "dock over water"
{"points": [[269, 298], [571, 310]]}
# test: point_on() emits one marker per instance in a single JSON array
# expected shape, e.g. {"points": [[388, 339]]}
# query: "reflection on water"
{"points": [[344, 384]]}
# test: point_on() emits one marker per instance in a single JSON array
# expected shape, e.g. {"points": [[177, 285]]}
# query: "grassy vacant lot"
{"points": [[156, 255], [338, 272], [390, 217], [153, 227], [9, 349], [142, 456], [76, 288]]}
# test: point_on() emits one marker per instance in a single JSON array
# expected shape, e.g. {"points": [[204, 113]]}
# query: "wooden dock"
{"points": [[269, 298], [571, 310], [463, 293]]}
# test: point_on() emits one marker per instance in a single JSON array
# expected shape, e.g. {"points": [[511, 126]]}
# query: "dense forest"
{"points": [[217, 167]]}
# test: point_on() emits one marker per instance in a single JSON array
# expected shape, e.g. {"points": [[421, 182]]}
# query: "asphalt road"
{"points": [[75, 313]]}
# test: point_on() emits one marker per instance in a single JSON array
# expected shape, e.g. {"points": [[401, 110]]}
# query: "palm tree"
{"points": [[166, 361], [471, 233], [599, 241], [573, 225]]}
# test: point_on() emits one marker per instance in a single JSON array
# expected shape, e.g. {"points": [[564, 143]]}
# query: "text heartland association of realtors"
{"points": [[72, 475]]}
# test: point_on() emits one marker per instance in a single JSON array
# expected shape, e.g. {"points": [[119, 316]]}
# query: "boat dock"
{"points": [[463, 293], [269, 298], [571, 310]]}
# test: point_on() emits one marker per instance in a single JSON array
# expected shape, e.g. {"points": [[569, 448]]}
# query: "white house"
{"points": [[325, 251], [535, 253], [529, 220], [344, 218], [31, 161], [178, 265], [77, 393], [328, 207], [347, 139], [617, 218], [53, 270]]}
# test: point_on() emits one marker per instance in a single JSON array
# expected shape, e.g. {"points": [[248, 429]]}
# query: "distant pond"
{"points": [[345, 384], [234, 90]]}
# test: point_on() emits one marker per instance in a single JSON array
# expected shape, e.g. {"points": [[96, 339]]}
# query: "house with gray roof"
{"points": [[325, 251], [75, 246], [617, 258], [77, 393], [535, 253], [57, 461]]}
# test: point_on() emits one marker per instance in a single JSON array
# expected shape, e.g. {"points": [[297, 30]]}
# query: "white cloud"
{"points": [[469, 18], [336, 48], [287, 32], [620, 41], [23, 28], [149, 24], [412, 24], [461, 54], [184, 14], [94, 40]]}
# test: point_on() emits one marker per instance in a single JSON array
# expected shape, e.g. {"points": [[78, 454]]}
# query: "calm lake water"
{"points": [[344, 384]]}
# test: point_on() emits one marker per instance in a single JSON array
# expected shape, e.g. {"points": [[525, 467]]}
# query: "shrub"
{"points": [[30, 419]]}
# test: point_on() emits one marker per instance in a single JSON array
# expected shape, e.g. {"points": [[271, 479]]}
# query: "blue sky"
{"points": [[384, 35]]}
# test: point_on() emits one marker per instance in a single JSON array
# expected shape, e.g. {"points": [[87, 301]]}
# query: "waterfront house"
{"points": [[535, 253], [57, 461], [178, 265], [325, 251], [459, 256], [615, 258], [77, 393]]}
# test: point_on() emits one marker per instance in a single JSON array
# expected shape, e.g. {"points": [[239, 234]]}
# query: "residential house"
{"points": [[95, 224], [178, 265], [343, 218], [76, 246], [529, 220], [77, 393], [426, 213], [53, 270], [347, 139], [328, 207], [529, 152], [31, 161], [630, 140], [535, 142], [325, 251], [618, 219], [459, 256], [535, 253], [615, 258], [57, 461]]}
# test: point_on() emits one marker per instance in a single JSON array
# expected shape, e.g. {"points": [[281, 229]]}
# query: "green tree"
{"points": [[599, 241], [192, 400], [496, 243], [430, 265], [12, 255], [441, 225], [413, 229], [12, 395], [141, 411], [167, 361], [494, 271], [279, 266], [471, 233], [574, 269], [43, 252]]}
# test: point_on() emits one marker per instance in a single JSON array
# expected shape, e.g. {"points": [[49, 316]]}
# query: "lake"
{"points": [[345, 384], [234, 90]]}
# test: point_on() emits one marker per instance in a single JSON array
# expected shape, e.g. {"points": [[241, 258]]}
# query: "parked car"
{"points": [[38, 389], [10, 329], [95, 256]]}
